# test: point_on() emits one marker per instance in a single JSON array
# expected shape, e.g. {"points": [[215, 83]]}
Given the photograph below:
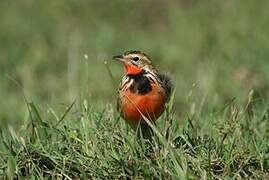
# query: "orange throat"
{"points": [[132, 69]]}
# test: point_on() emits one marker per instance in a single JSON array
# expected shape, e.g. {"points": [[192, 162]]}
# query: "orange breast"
{"points": [[151, 105]]}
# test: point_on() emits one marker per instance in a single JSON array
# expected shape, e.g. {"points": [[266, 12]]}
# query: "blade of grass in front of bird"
{"points": [[110, 74], [179, 170], [65, 113]]}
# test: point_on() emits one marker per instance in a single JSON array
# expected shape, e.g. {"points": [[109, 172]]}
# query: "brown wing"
{"points": [[167, 84]]}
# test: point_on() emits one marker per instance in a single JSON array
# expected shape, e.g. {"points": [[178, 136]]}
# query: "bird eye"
{"points": [[135, 58]]}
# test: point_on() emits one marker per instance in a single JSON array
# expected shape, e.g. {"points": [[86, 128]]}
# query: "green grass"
{"points": [[216, 51], [83, 142]]}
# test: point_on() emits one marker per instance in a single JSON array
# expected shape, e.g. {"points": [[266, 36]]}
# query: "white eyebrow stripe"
{"points": [[134, 55]]}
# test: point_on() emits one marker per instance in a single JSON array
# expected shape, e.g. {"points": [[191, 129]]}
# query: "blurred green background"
{"points": [[54, 51]]}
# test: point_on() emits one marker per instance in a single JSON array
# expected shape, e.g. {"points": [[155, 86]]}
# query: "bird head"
{"points": [[135, 62]]}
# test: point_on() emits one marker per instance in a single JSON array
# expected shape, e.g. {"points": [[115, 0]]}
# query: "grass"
{"points": [[58, 116], [87, 143]]}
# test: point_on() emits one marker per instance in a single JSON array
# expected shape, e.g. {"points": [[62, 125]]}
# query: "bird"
{"points": [[143, 91]]}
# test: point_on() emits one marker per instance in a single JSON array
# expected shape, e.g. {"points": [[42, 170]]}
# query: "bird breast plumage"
{"points": [[134, 105]]}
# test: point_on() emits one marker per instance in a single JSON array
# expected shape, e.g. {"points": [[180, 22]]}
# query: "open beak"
{"points": [[118, 58]]}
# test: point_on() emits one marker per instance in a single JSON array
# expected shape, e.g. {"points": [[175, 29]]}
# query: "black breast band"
{"points": [[141, 84]]}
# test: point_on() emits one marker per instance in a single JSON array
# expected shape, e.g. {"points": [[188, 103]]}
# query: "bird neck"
{"points": [[140, 83]]}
